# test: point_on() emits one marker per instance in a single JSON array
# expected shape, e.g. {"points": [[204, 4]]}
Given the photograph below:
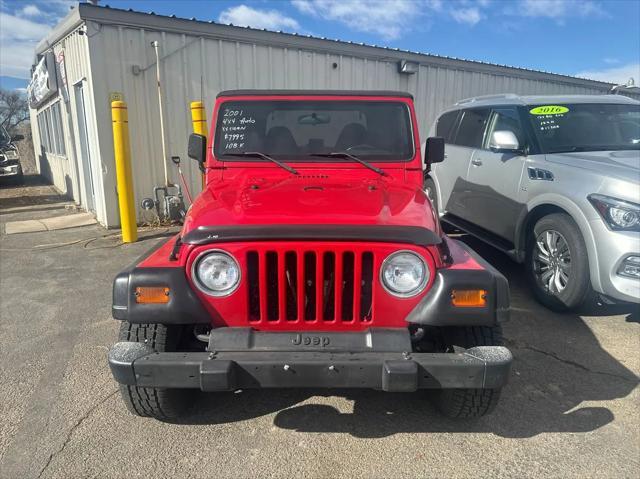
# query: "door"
{"points": [[84, 151], [494, 178], [467, 139]]}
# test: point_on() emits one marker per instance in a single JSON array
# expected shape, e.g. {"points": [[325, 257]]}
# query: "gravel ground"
{"points": [[570, 410]]}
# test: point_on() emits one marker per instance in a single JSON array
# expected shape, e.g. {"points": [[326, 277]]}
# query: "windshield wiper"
{"points": [[265, 157], [344, 154]]}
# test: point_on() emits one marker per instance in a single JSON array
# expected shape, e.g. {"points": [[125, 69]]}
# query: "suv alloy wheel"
{"points": [[557, 264]]}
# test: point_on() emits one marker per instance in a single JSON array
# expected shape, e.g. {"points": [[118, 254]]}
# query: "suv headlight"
{"points": [[216, 273], [617, 214], [404, 274]]}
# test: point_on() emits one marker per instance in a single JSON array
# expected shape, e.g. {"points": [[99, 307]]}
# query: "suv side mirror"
{"points": [[17, 137], [434, 150], [197, 148], [504, 141]]}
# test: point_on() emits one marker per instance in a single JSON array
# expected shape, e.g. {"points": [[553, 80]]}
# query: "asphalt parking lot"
{"points": [[572, 408]]}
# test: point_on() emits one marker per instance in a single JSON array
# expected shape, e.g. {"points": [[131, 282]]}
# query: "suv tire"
{"points": [[557, 264], [469, 403], [162, 404]]}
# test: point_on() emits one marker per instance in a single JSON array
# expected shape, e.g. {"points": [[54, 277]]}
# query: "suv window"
{"points": [[505, 119], [472, 126], [445, 125]]}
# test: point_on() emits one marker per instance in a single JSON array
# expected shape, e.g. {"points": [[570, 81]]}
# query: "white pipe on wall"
{"points": [[155, 45]]}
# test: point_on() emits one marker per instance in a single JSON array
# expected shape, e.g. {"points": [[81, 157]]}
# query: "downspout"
{"points": [[155, 45]]}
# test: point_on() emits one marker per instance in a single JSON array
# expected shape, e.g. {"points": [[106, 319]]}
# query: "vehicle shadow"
{"points": [[559, 364]]}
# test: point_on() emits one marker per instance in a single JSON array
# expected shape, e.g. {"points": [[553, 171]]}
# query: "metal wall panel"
{"points": [[195, 67]]}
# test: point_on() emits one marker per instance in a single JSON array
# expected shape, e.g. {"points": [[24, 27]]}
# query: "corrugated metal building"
{"points": [[97, 54]]}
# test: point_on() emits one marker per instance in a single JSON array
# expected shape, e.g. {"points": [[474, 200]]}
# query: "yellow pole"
{"points": [[199, 119], [124, 178]]}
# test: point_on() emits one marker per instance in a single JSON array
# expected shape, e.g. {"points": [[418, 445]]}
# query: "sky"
{"points": [[597, 39]]}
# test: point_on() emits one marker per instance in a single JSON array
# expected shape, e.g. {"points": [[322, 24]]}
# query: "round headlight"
{"points": [[404, 273], [216, 273]]}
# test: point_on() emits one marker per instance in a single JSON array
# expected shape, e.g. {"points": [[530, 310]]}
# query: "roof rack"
{"points": [[505, 96]]}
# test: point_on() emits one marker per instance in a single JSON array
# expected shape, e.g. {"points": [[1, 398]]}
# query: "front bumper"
{"points": [[10, 170], [612, 248], [136, 364]]}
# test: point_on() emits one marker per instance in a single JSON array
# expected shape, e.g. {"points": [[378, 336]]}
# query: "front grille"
{"points": [[313, 286]]}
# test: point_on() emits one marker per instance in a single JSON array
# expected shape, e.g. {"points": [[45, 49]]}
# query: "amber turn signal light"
{"points": [[469, 298], [152, 295]]}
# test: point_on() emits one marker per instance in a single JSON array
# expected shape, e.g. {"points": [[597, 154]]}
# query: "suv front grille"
{"points": [[314, 286]]}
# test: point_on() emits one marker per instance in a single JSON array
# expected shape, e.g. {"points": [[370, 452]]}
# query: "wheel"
{"points": [[557, 264], [429, 187], [468, 403], [162, 404]]}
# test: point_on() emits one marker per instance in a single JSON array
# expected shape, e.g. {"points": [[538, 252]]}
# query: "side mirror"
{"points": [[17, 137], [434, 150], [504, 141], [197, 148]]}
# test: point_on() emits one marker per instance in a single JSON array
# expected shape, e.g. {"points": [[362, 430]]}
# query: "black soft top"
{"points": [[314, 93]]}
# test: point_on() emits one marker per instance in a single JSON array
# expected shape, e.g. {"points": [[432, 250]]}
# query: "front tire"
{"points": [[159, 403], [557, 264], [469, 403]]}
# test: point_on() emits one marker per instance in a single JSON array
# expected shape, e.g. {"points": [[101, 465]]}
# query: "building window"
{"points": [[51, 130], [56, 118], [41, 131]]}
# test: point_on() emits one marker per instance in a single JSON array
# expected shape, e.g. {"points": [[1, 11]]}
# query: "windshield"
{"points": [[298, 130], [586, 127]]}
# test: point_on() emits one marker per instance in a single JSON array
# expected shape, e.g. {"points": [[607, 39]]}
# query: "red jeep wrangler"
{"points": [[313, 259]]}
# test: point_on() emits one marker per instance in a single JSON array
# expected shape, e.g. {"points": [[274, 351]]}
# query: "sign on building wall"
{"points": [[43, 82], [62, 76]]}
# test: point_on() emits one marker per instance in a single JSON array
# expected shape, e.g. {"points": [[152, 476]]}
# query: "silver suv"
{"points": [[554, 181]]}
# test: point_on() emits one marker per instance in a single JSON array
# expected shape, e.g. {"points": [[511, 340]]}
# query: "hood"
{"points": [[310, 199], [623, 164]]}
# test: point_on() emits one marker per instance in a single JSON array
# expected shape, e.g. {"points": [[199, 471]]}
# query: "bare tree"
{"points": [[14, 109]]}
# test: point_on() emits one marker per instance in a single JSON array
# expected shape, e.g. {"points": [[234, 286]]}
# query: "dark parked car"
{"points": [[10, 168]]}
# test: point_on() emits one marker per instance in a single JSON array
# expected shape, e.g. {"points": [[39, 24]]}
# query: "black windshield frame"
{"points": [[407, 137], [546, 144]]}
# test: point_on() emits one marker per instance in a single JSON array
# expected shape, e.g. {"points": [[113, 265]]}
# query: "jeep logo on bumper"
{"points": [[320, 341]]}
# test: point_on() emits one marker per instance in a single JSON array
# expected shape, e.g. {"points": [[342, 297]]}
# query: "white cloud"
{"points": [[18, 39], [470, 16], [434, 4], [387, 18], [22, 26], [31, 11], [611, 60], [245, 16], [617, 75], [558, 9]]}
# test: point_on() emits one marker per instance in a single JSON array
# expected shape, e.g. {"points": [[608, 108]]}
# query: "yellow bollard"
{"points": [[199, 119], [124, 178]]}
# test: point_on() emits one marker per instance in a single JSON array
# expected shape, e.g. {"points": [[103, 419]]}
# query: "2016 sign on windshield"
{"points": [[549, 110]]}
